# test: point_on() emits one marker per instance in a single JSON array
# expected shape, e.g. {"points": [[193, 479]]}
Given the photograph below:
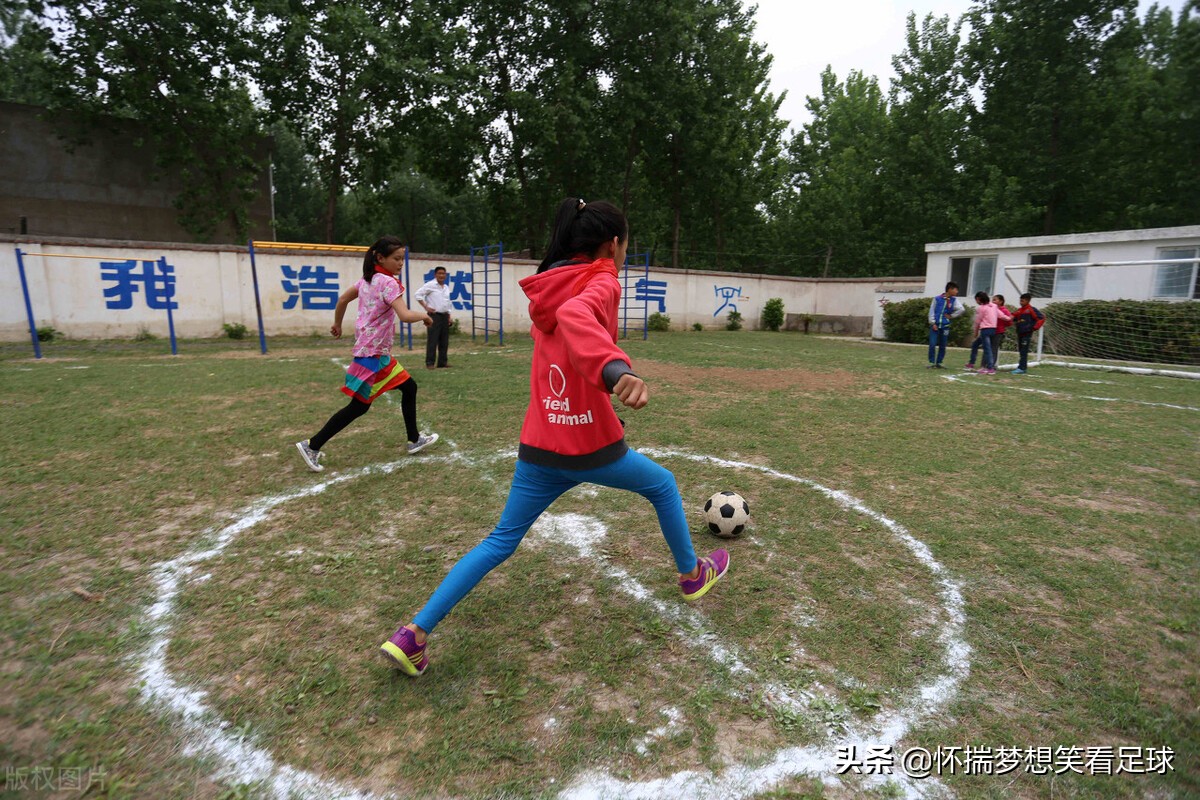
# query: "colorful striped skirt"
{"points": [[371, 376]]}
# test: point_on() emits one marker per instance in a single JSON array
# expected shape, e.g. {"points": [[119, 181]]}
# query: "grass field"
{"points": [[189, 612]]}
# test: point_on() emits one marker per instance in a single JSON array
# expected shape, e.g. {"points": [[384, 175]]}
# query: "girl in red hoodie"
{"points": [[571, 434]]}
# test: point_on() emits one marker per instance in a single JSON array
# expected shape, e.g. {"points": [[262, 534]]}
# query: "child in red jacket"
{"points": [[571, 434], [1026, 320]]}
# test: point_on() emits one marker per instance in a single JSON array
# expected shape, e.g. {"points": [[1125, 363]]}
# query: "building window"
{"points": [[1064, 282], [974, 274], [1177, 280]]}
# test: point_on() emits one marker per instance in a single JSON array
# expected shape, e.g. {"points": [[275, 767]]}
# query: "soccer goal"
{"points": [[1092, 322]]}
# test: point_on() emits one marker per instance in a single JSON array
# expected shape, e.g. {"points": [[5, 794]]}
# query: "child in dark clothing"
{"points": [[1026, 320]]}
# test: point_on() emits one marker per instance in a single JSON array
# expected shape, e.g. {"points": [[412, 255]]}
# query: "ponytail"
{"points": [[580, 228], [380, 250]]}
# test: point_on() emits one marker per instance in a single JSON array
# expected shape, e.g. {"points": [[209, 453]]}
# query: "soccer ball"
{"points": [[726, 514]]}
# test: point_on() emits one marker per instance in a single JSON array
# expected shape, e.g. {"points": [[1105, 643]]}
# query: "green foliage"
{"points": [[144, 335], [772, 315], [735, 321], [696, 326], [908, 321], [659, 322], [235, 330], [47, 333], [123, 60], [477, 117], [1155, 331]]}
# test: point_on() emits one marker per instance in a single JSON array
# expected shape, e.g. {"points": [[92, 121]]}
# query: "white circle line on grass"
{"points": [[965, 380], [239, 759]]}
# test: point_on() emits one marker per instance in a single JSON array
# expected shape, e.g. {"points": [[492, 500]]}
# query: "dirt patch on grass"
{"points": [[753, 379]]}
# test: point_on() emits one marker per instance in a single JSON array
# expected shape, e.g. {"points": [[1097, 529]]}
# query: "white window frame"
{"points": [[968, 287], [1192, 288], [1076, 257]]}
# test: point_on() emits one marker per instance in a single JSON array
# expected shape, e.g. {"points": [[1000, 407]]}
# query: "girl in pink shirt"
{"points": [[986, 316], [373, 370]]}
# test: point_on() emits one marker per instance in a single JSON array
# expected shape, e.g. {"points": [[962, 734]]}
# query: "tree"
{"points": [[837, 161], [139, 60], [1037, 64], [26, 69], [345, 75]]}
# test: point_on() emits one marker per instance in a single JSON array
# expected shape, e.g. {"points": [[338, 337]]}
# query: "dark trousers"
{"points": [[1023, 349], [356, 408], [437, 342]]}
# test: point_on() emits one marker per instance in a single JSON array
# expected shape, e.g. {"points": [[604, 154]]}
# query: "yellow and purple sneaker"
{"points": [[402, 652], [712, 567]]}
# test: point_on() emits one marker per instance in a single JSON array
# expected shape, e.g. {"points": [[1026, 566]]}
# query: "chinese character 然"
{"points": [[727, 293], [652, 292], [157, 283], [315, 287]]}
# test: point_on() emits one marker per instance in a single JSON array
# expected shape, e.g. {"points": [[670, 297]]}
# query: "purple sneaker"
{"points": [[402, 652], [712, 567]]}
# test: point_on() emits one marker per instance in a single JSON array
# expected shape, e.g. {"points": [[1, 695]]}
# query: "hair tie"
{"points": [[582, 205]]}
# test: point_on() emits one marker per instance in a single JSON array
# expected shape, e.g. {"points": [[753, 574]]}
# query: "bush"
{"points": [[659, 322], [144, 335], [908, 321], [772, 315], [455, 328], [235, 330], [1156, 331], [735, 321], [696, 326], [47, 334]]}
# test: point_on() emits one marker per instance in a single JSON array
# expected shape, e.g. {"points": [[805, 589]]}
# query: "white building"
{"points": [[1009, 266]]}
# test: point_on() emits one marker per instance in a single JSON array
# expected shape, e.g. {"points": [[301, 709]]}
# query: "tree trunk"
{"points": [[828, 255]]}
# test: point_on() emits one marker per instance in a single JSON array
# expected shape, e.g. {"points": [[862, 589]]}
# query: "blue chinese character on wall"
{"points": [[155, 280], [651, 292], [316, 288], [728, 293], [460, 288]]}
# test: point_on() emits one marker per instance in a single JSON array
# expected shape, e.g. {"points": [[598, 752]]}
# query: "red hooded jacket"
{"points": [[570, 421]]}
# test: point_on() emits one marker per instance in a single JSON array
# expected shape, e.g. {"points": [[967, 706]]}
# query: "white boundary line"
{"points": [[964, 379], [239, 758]]}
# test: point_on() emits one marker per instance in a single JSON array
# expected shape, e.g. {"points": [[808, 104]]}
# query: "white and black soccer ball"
{"points": [[726, 514]]}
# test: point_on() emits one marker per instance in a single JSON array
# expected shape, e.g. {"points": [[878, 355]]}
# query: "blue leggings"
{"points": [[534, 488]]}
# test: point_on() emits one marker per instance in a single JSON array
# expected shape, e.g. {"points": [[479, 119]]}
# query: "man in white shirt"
{"points": [[434, 297]]}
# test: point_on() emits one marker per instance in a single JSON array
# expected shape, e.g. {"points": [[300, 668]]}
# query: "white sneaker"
{"points": [[421, 443], [310, 456]]}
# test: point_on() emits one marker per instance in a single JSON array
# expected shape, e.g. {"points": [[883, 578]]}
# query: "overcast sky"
{"points": [[847, 34]]}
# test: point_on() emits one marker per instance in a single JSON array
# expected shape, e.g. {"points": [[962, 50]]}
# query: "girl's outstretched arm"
{"points": [[340, 311], [410, 314]]}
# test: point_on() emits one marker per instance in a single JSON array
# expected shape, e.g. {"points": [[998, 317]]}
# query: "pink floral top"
{"points": [[375, 328]]}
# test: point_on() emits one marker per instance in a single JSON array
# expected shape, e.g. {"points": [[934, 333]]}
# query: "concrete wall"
{"points": [[114, 289], [108, 188], [1100, 283]]}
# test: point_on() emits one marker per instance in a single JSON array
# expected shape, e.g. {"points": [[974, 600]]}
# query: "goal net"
{"points": [[1133, 316]]}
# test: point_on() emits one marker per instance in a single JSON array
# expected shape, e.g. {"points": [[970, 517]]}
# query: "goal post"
{"points": [[1141, 317]]}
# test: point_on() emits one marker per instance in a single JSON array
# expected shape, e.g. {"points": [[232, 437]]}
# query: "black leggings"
{"points": [[356, 408]]}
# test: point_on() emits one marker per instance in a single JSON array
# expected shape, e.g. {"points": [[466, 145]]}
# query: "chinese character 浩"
{"points": [[316, 288]]}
